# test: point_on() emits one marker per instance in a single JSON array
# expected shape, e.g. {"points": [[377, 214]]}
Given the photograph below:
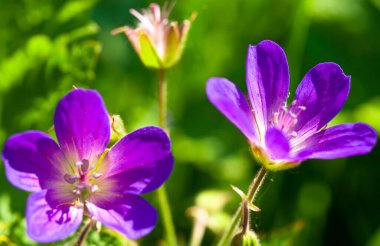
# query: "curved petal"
{"points": [[267, 81], [33, 161], [277, 144], [131, 215], [231, 102], [45, 224], [140, 162], [322, 92], [339, 141], [82, 124]]}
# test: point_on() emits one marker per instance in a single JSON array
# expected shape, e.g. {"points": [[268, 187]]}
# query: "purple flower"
{"points": [[80, 177], [283, 135]]}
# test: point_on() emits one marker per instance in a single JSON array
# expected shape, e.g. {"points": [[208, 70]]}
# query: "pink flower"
{"points": [[158, 41]]}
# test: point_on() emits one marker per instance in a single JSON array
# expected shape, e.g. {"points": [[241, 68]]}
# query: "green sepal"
{"points": [[172, 46], [148, 54]]}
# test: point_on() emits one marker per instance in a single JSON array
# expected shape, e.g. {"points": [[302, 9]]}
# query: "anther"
{"points": [[78, 163], [94, 188], [275, 115], [97, 175], [293, 115], [76, 192], [70, 178], [294, 102], [303, 108], [294, 134]]}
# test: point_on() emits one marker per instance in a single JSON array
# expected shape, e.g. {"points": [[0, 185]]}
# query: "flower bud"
{"points": [[158, 41], [245, 239], [117, 128]]}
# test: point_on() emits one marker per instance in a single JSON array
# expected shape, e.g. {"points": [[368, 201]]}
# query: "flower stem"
{"points": [[253, 190], [161, 192], [162, 99], [84, 232]]}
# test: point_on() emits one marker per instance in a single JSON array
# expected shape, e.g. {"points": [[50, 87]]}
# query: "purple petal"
{"points": [[45, 224], [277, 144], [64, 194], [82, 124], [140, 162], [267, 81], [340, 141], [231, 102], [33, 161], [323, 91], [132, 216]]}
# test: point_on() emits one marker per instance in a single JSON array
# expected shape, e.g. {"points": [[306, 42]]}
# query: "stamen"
{"points": [[78, 163], [70, 178], [97, 175], [293, 115], [303, 108], [293, 134], [275, 115], [294, 102], [76, 192], [94, 188]]}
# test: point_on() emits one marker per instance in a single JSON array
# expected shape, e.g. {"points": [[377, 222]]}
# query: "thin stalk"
{"points": [[253, 190], [162, 99], [161, 192], [84, 232]]}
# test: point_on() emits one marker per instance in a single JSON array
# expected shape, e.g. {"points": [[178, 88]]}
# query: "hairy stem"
{"points": [[161, 192], [84, 232], [253, 190], [162, 99]]}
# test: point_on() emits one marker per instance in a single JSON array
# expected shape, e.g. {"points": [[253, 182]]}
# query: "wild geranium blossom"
{"points": [[157, 40], [78, 177], [282, 134]]}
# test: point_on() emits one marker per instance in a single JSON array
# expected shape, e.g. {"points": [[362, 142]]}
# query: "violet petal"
{"points": [[130, 215], [33, 161], [140, 162], [277, 144], [339, 141], [45, 224], [231, 102], [82, 124], [55, 197], [267, 81], [323, 92]]}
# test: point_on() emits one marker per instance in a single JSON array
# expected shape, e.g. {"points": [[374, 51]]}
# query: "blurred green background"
{"points": [[48, 46]]}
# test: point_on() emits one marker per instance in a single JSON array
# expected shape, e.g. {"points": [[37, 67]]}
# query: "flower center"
{"points": [[287, 117], [83, 179]]}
